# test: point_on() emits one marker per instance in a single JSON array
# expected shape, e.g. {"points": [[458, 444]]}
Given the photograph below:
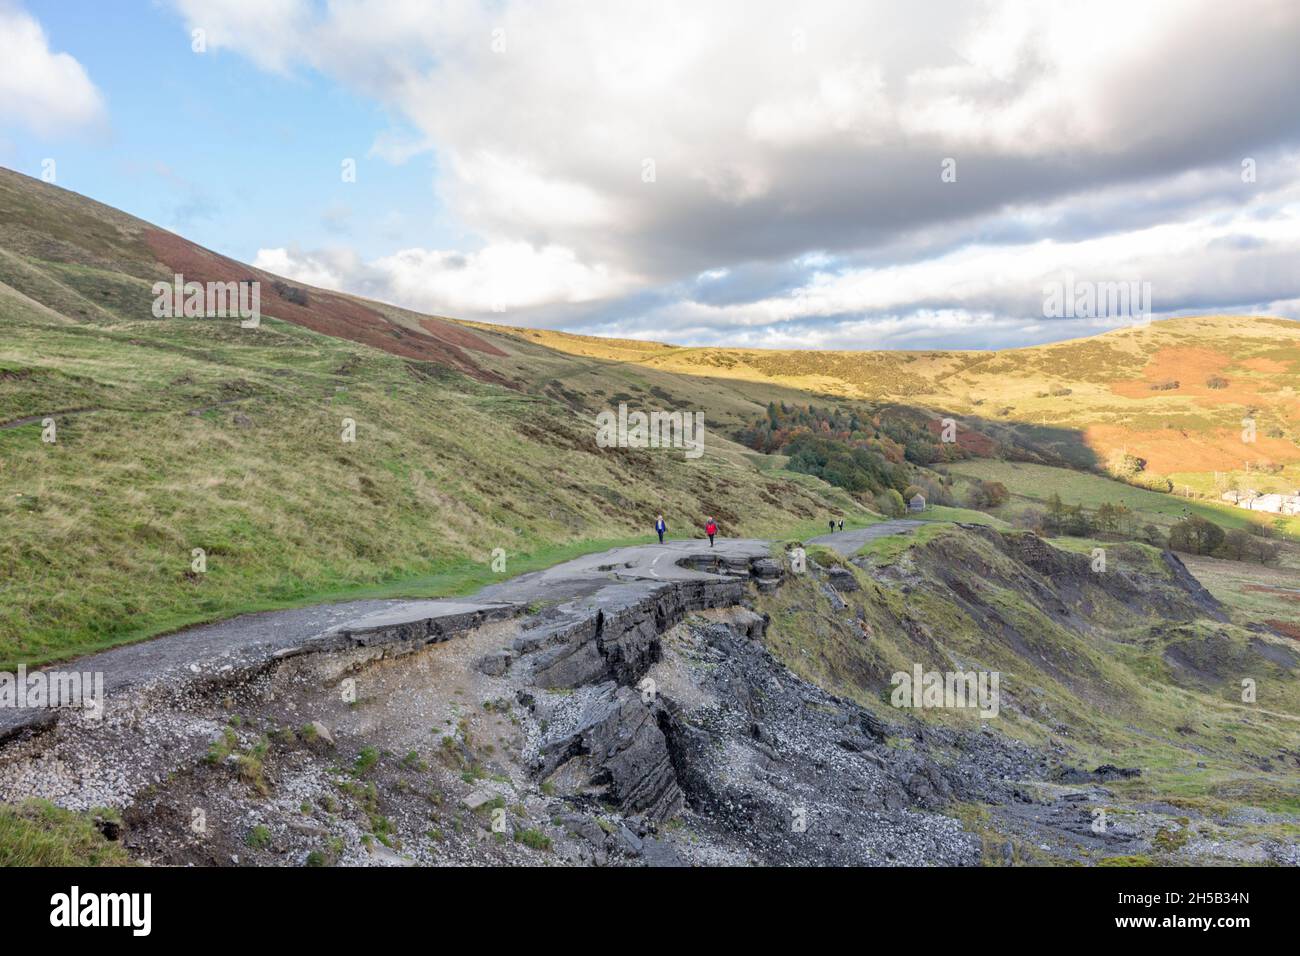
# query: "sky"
{"points": [[854, 174]]}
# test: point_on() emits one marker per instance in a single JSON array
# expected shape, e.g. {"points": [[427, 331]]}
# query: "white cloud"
{"points": [[319, 269], [507, 276], [849, 102], [45, 91], [272, 33], [542, 135], [499, 277], [988, 295], [1089, 135], [496, 188]]}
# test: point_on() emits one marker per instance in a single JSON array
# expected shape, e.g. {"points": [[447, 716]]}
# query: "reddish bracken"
{"points": [[329, 313], [968, 440]]}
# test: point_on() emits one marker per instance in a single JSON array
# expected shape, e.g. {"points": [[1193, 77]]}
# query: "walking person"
{"points": [[661, 526], [841, 524], [832, 524], [710, 529]]}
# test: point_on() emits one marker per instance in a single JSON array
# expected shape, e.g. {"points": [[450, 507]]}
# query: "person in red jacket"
{"points": [[710, 529]]}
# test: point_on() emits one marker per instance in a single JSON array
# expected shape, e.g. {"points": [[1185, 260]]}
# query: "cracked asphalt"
{"points": [[249, 638]]}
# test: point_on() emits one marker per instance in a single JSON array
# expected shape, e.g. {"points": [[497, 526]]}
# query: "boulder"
{"points": [[478, 798], [495, 664], [322, 732], [658, 853]]}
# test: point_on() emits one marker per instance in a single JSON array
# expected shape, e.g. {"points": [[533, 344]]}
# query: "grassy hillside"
{"points": [[1255, 594], [180, 434], [183, 434], [1032, 484], [177, 434], [1174, 393]]}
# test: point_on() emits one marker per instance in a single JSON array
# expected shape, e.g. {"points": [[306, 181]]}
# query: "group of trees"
{"points": [[857, 470], [1131, 469], [987, 494], [783, 423], [893, 504], [839, 446], [872, 458], [920, 445], [895, 437], [1192, 535], [1197, 535], [890, 503], [1253, 545], [1077, 521]]}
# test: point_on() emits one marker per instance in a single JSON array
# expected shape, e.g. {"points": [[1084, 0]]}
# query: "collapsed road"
{"points": [[596, 580], [623, 708], [620, 705]]}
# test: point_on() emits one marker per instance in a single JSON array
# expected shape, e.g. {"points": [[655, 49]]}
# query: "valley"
{"points": [[368, 590]]}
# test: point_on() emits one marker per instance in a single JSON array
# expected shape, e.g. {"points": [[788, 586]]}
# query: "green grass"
{"points": [[1130, 555], [101, 525], [534, 839], [1254, 594], [886, 549], [365, 761], [1032, 484], [37, 833]]}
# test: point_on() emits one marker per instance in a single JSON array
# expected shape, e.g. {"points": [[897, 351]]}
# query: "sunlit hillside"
{"points": [[1175, 393]]}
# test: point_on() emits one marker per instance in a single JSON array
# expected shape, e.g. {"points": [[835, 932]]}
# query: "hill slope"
{"points": [[181, 434], [470, 437], [1173, 392]]}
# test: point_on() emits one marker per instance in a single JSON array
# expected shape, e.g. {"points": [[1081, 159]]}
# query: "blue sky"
{"points": [[230, 156], [840, 173]]}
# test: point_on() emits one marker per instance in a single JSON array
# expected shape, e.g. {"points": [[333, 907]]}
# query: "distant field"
{"points": [[1257, 594], [1030, 483]]}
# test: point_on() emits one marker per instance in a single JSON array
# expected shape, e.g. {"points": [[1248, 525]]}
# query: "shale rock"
{"points": [[842, 579], [617, 753]]}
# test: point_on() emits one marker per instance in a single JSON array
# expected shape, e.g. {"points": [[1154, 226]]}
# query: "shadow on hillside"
{"points": [[987, 436], [1031, 441]]}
